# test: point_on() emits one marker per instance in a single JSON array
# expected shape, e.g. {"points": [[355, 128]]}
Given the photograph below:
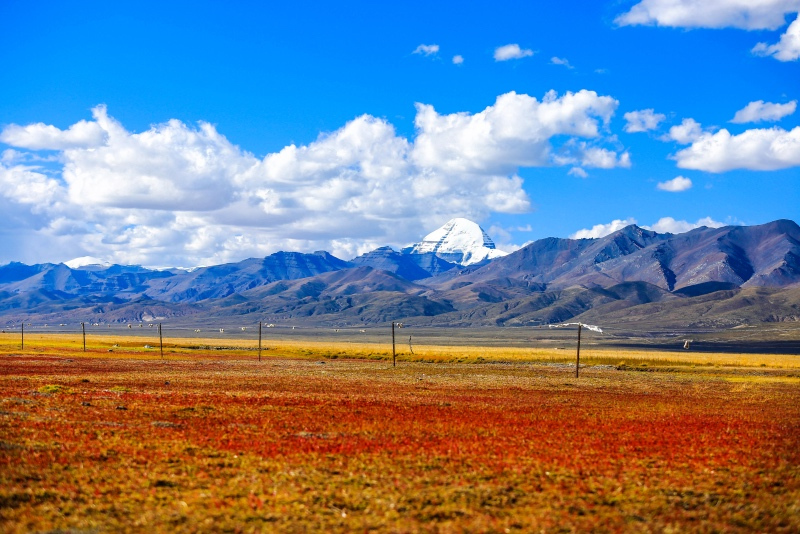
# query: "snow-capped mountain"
{"points": [[86, 261], [458, 241]]}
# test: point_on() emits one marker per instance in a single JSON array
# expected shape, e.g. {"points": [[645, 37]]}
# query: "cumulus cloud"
{"points": [[511, 51], [603, 158], [561, 61], [184, 195], [27, 186], [688, 131], [643, 120], [758, 150], [458, 59], [602, 230], [676, 185], [41, 136], [668, 225], [759, 111], [514, 132], [743, 14], [427, 50], [787, 49]]}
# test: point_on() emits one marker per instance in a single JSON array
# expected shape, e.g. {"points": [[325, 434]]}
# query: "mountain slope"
{"points": [[742, 255], [223, 280], [409, 266]]}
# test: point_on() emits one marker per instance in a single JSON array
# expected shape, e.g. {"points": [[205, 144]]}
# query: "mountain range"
{"points": [[710, 277]]}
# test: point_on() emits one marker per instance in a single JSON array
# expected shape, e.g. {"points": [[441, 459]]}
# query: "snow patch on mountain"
{"points": [[458, 241], [86, 261]]}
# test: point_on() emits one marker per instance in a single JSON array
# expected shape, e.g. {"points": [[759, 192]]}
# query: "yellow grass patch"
{"points": [[147, 347]]}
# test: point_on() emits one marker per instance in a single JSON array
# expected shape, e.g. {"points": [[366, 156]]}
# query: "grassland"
{"points": [[328, 436], [377, 348]]}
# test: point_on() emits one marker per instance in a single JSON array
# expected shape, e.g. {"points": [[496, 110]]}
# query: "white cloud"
{"points": [[427, 50], [763, 111], [663, 225], [603, 158], [787, 49], [758, 149], [511, 51], [668, 225], [458, 59], [561, 61], [687, 132], [514, 132], [183, 195], [168, 167], [744, 14], [642, 120], [602, 230], [27, 186], [40, 136], [676, 185], [577, 171]]}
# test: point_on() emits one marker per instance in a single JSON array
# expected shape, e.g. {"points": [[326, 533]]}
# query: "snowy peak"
{"points": [[458, 241], [86, 261]]}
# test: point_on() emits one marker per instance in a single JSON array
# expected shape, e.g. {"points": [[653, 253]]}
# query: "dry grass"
{"points": [[208, 441], [124, 346]]}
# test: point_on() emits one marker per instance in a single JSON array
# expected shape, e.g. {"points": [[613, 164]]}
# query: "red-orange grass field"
{"points": [[111, 443]]}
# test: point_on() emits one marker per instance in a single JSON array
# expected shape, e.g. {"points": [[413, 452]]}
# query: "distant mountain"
{"points": [[459, 241], [716, 277], [408, 266], [764, 255], [223, 280]]}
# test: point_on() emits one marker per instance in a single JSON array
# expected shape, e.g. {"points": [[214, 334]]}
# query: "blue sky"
{"points": [[188, 133]]}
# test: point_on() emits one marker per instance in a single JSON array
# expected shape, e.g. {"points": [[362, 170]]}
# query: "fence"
{"points": [[617, 344]]}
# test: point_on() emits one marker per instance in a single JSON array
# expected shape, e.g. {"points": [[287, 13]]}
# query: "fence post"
{"points": [[161, 341], [259, 340], [22, 337], [83, 329], [394, 354], [578, 356]]}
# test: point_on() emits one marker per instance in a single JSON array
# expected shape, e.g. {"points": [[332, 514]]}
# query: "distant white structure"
{"points": [[591, 327]]}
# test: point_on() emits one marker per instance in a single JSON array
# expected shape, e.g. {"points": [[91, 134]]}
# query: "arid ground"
{"points": [[326, 437]]}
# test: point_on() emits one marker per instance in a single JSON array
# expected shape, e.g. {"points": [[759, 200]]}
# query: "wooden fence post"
{"points": [[578, 356]]}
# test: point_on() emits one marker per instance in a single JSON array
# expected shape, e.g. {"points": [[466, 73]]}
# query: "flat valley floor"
{"points": [[109, 442]]}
